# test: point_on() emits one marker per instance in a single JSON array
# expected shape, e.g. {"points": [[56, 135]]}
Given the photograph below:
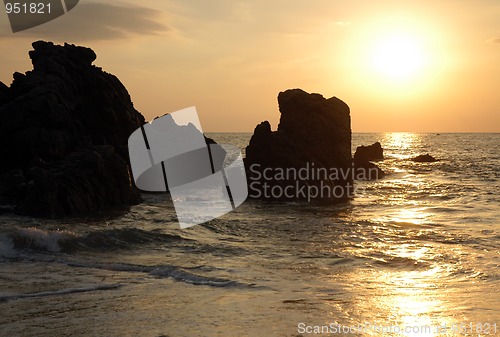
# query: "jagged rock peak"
{"points": [[47, 52], [64, 127]]}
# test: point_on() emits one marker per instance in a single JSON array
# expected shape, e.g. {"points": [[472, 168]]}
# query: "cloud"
{"points": [[495, 40], [99, 21]]}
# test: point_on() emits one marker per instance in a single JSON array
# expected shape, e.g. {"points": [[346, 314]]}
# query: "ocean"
{"points": [[414, 254]]}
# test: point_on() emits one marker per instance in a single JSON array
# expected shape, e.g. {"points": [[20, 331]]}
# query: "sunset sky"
{"points": [[422, 66]]}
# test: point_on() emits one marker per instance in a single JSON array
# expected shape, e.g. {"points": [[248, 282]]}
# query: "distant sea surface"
{"points": [[419, 248]]}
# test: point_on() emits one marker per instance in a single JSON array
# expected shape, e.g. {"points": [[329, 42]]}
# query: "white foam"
{"points": [[163, 271], [187, 277], [49, 241]]}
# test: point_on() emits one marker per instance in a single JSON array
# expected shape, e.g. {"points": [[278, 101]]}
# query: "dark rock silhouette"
{"points": [[64, 128], [368, 171], [4, 93], [363, 157], [372, 152], [424, 158], [314, 134]]}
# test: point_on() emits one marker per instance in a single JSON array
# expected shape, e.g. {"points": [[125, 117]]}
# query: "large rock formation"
{"points": [[63, 136], [310, 152]]}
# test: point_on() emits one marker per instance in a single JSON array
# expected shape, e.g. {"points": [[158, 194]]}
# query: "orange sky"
{"points": [[423, 66]]}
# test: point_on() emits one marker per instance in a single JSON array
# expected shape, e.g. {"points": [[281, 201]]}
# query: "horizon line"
{"points": [[421, 132]]}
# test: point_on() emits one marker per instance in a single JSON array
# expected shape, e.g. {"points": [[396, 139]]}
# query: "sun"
{"points": [[398, 57]]}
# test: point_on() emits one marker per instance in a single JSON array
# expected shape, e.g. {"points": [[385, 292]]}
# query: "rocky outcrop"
{"points": [[310, 151], [64, 128], [363, 157], [373, 152], [424, 158], [4, 92]]}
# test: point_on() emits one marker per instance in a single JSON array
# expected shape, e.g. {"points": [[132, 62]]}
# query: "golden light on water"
{"points": [[416, 299], [408, 292], [406, 217], [406, 303], [400, 140], [408, 251]]}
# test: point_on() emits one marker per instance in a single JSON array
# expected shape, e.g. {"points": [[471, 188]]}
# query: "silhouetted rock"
{"points": [[363, 157], [372, 152], [64, 128], [424, 158], [312, 147], [368, 171], [4, 90]]}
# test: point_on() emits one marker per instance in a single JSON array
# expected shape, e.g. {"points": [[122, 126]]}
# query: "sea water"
{"points": [[414, 254]]}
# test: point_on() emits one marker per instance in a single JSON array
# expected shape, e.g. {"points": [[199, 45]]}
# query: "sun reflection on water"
{"points": [[401, 140], [404, 289], [411, 298], [400, 145], [406, 303], [408, 272], [409, 302], [406, 216]]}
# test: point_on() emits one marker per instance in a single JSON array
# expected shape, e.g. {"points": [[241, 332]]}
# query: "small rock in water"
{"points": [[424, 158], [363, 157], [373, 152]]}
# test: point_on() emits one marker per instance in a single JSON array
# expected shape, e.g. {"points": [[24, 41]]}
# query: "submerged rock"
{"points": [[424, 158], [308, 157], [64, 128], [368, 171]]}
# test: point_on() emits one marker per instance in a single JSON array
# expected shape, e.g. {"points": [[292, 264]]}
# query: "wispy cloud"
{"points": [[100, 21], [494, 40]]}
